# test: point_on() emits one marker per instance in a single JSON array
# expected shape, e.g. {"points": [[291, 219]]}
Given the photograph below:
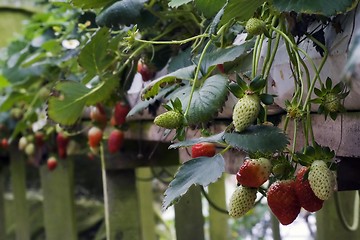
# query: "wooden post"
{"points": [[122, 205], [189, 220], [146, 203], [219, 228], [2, 207], [18, 178], [59, 206], [328, 222]]}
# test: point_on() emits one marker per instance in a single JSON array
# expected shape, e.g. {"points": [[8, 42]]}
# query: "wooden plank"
{"points": [[18, 178], [59, 205], [122, 205], [189, 220], [2, 204], [146, 200], [328, 221], [219, 228]]}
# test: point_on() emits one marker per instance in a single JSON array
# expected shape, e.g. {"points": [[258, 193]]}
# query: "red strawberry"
{"points": [[305, 194], [95, 135], [62, 141], [51, 163], [221, 68], [283, 202], [4, 143], [120, 112], [203, 149], [39, 139], [98, 115], [115, 140], [144, 70], [254, 172]]}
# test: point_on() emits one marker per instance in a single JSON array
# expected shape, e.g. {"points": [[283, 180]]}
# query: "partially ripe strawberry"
{"points": [[115, 141], [255, 26], [241, 201], [254, 172], [144, 70], [98, 115], [305, 194], [246, 111], [203, 149], [95, 135], [39, 139], [283, 202], [120, 112], [321, 180], [221, 68], [169, 120], [62, 141], [51, 163]]}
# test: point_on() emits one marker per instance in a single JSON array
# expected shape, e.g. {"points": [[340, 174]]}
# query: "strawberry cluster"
{"points": [[310, 187]]}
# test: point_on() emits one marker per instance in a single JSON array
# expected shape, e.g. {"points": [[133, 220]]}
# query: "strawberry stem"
{"points": [[106, 206]]}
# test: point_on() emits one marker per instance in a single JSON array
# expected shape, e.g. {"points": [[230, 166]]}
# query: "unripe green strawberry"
{"points": [[241, 201], [321, 180], [332, 102], [169, 120], [255, 26], [246, 111]]}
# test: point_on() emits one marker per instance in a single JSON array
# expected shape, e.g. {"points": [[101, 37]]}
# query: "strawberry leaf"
{"points": [[177, 3], [155, 86], [264, 139], [206, 100], [197, 171], [217, 138], [240, 9]]}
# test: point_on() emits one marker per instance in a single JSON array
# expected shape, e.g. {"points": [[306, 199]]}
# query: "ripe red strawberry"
{"points": [[120, 112], [51, 163], [204, 149], [254, 172], [4, 143], [115, 140], [221, 68], [241, 201], [283, 202], [305, 194], [98, 115], [62, 141], [39, 139], [95, 135], [144, 70]]}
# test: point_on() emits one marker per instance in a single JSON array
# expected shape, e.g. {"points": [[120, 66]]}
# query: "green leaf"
{"points": [[3, 82], [198, 171], [267, 99], [328, 83], [95, 57], [66, 104], [206, 100], [123, 12], [103, 90], [209, 7], [177, 3], [217, 138], [264, 139], [318, 92], [240, 9], [86, 4], [154, 87], [222, 55], [322, 7], [236, 90], [257, 84]]}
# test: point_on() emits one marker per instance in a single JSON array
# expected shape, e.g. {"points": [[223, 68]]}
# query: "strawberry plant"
{"points": [[210, 53]]}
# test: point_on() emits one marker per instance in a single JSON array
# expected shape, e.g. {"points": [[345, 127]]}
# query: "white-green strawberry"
{"points": [[332, 102], [321, 180], [246, 111], [255, 26], [169, 120], [241, 201]]}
